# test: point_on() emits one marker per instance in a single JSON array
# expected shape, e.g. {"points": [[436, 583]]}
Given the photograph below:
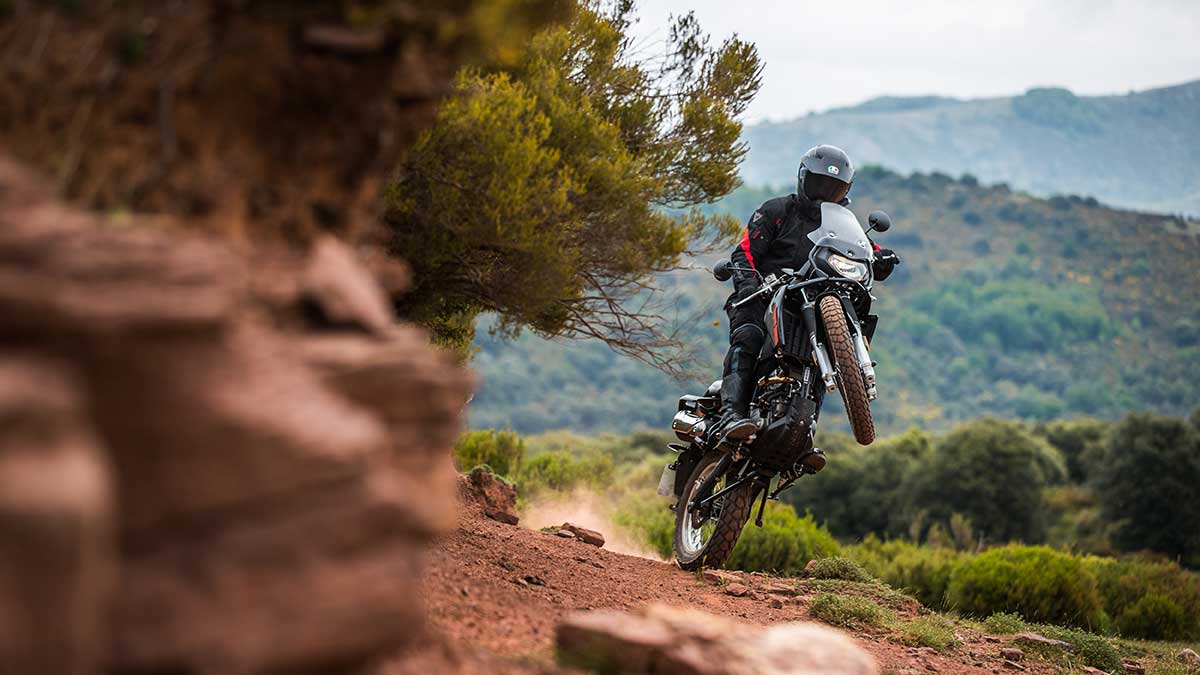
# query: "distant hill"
{"points": [[1141, 150], [1006, 305]]}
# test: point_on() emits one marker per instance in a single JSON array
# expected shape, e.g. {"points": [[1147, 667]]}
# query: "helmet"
{"points": [[825, 174]]}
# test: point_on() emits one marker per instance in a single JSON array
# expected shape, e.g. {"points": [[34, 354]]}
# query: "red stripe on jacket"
{"points": [[746, 249]]}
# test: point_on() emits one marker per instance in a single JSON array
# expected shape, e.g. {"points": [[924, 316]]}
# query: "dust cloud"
{"points": [[586, 509]]}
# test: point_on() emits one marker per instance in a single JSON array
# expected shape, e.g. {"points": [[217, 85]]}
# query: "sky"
{"points": [[831, 53]]}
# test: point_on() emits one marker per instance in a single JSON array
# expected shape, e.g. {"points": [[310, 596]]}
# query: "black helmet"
{"points": [[825, 174]]}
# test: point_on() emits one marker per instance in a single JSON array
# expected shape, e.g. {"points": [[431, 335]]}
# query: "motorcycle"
{"points": [[818, 330]]}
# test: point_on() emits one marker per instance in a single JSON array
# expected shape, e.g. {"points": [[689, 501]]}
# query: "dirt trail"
{"points": [[505, 588]]}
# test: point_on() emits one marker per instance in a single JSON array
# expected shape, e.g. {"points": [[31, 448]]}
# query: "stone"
{"points": [[721, 577], [565, 534], [662, 639], [1013, 665], [776, 603], [1038, 639], [1133, 667], [1093, 671], [1012, 654], [810, 565], [585, 535], [1188, 658], [737, 590]]}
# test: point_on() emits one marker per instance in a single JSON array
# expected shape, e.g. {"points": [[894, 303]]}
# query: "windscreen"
{"points": [[840, 231]]}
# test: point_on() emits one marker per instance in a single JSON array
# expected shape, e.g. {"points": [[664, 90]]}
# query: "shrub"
{"points": [[560, 470], [921, 571], [1124, 584], [1036, 582], [500, 450], [784, 544], [1154, 617], [838, 567], [929, 631], [848, 611]]}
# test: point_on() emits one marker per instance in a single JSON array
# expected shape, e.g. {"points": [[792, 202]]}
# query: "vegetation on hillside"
{"points": [[541, 193], [1136, 150], [1005, 305]]}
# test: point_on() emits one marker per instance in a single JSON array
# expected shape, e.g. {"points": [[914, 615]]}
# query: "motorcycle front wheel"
{"points": [[849, 376], [704, 537]]}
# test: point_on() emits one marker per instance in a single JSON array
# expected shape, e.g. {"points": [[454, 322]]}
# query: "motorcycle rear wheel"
{"points": [[707, 540], [849, 376]]}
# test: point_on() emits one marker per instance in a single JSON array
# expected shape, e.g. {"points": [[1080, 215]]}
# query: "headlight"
{"points": [[851, 269]]}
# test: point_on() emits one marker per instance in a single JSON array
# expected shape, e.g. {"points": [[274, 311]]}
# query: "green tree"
{"points": [[993, 473], [1079, 441], [552, 193], [1147, 484]]}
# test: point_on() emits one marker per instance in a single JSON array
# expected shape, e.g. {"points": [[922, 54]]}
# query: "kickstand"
{"points": [[761, 505]]}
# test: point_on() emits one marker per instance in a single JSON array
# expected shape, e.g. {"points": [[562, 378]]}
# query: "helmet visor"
{"points": [[825, 188]]}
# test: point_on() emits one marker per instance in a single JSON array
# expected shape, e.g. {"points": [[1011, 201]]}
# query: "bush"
{"points": [[560, 470], [500, 450], [1129, 589], [921, 571], [1036, 582], [838, 567], [783, 545], [848, 611], [1154, 617]]}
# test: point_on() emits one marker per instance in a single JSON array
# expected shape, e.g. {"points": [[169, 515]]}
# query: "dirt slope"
{"points": [[505, 588]]}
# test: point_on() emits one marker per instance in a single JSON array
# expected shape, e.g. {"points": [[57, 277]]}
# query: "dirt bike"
{"points": [[818, 329]]}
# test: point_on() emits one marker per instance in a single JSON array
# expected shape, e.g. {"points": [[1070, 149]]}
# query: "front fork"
{"points": [[861, 353]]}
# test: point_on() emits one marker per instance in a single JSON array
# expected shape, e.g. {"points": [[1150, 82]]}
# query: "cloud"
{"points": [[824, 54]]}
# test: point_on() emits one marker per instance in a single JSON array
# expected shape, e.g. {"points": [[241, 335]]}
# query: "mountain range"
{"points": [[1137, 150]]}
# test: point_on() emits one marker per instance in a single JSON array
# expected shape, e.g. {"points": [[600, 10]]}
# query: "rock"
{"points": [[1133, 667], [57, 545], [338, 286], [1093, 671], [585, 535], [737, 590], [721, 577], [810, 565], [661, 639], [534, 580], [497, 498], [1012, 665], [776, 603], [991, 638], [1188, 658], [1038, 639], [1012, 654], [274, 487], [779, 589], [565, 534]]}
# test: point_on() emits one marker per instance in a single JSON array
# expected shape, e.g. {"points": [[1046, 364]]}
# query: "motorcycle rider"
{"points": [[776, 237]]}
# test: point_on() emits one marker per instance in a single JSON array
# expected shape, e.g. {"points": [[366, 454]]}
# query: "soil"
{"points": [[504, 588]]}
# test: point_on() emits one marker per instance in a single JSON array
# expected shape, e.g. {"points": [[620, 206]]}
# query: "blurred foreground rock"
{"points": [[197, 475], [665, 639]]}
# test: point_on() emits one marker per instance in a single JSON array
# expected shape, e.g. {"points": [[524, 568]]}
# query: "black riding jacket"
{"points": [[776, 237]]}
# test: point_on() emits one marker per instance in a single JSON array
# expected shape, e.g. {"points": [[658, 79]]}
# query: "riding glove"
{"points": [[885, 261]]}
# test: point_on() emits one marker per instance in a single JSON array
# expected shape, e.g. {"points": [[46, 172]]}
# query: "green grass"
{"points": [[849, 611], [934, 631], [1005, 623]]}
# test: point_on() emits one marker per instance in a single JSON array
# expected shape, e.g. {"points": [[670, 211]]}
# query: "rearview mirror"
{"points": [[721, 271], [879, 221]]}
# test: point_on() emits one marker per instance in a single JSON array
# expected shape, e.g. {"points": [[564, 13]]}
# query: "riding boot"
{"points": [[735, 426]]}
